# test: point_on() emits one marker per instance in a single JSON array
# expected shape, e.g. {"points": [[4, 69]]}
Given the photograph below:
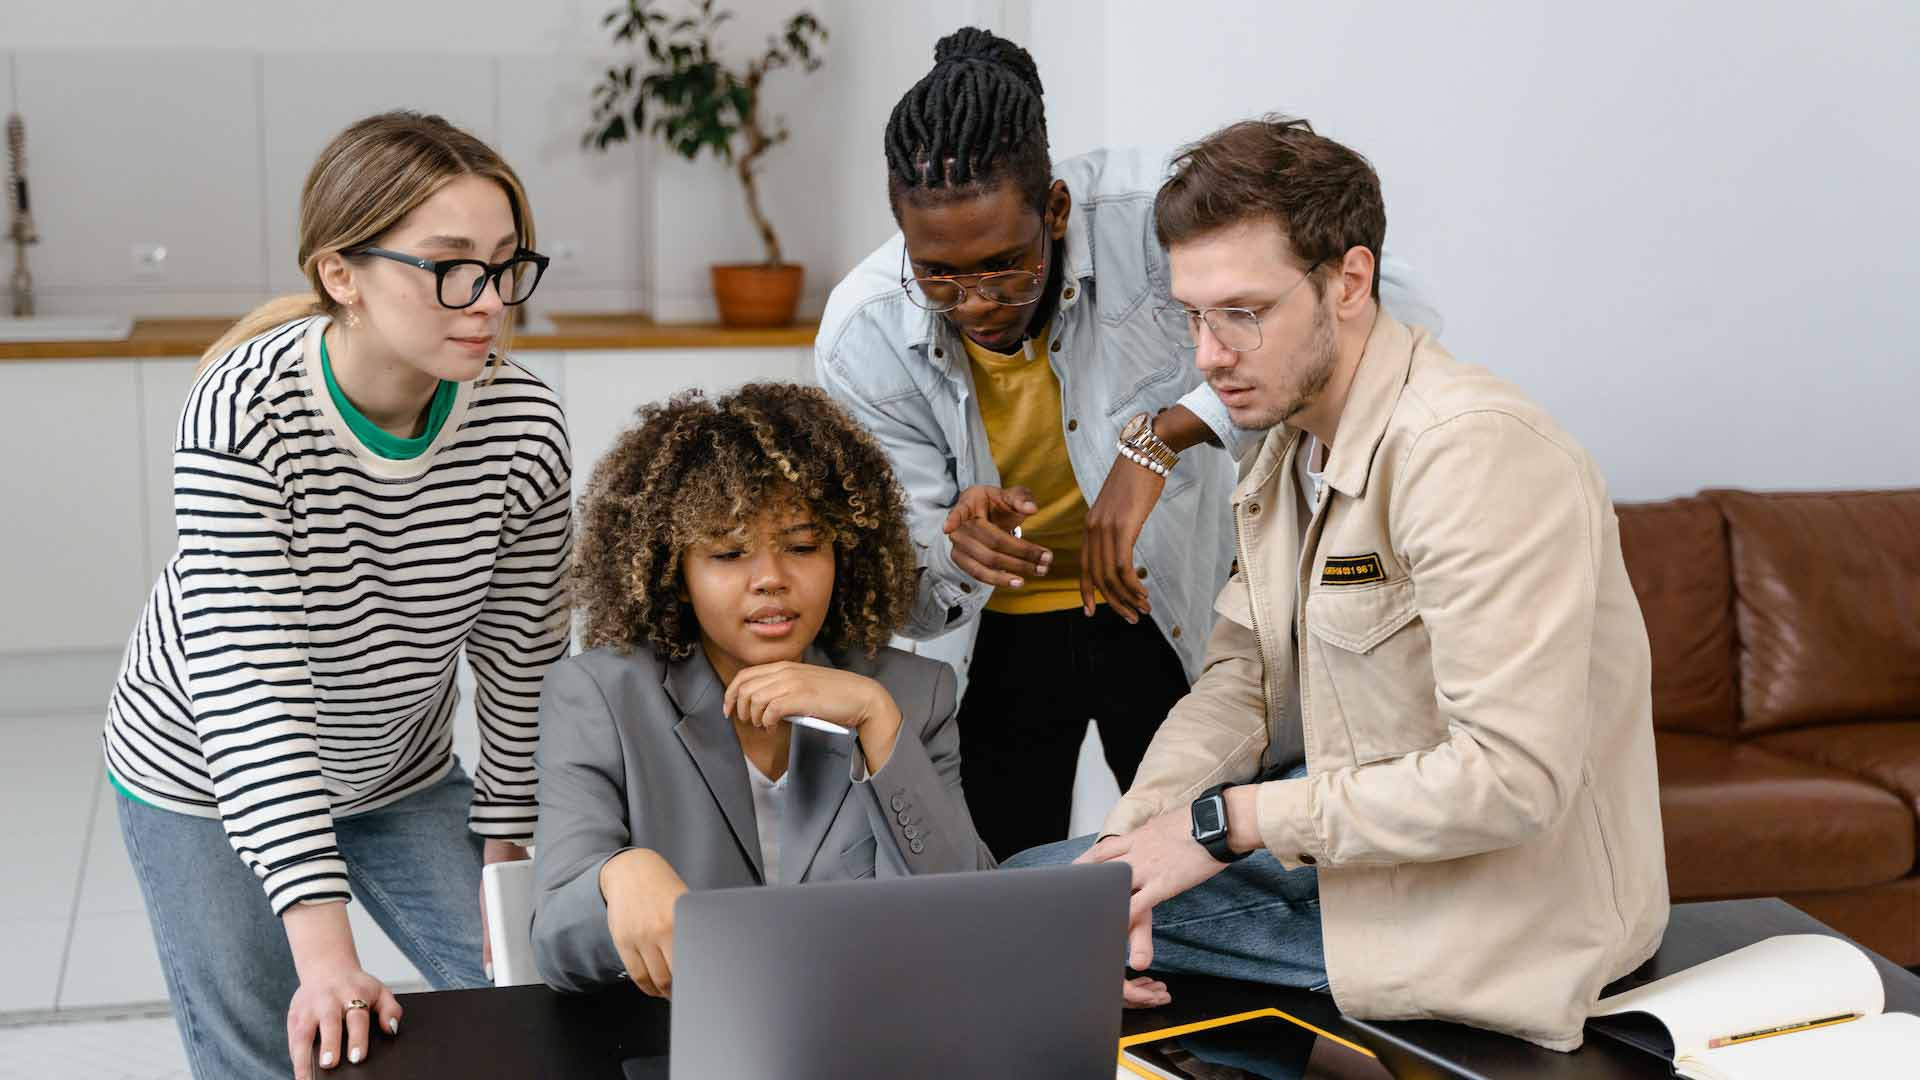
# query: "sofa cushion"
{"points": [[1742, 821], [1676, 553], [1827, 604], [1888, 754]]}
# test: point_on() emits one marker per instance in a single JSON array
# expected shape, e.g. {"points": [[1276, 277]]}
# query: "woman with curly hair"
{"points": [[738, 718]]}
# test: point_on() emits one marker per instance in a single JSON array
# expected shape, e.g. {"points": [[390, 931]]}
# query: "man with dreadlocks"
{"points": [[1003, 348]]}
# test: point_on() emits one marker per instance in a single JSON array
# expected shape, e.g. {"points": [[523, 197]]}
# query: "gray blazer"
{"points": [[635, 752]]}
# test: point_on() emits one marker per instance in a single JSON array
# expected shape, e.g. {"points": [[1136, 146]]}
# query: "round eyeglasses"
{"points": [[1237, 329], [459, 282], [1008, 288]]}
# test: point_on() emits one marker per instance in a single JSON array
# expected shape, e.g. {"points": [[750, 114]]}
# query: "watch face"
{"points": [[1208, 821], [1135, 426]]}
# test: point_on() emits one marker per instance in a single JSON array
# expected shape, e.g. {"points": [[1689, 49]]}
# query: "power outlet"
{"points": [[149, 261]]}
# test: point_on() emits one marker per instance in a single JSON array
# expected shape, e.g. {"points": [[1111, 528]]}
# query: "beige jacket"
{"points": [[1481, 799]]}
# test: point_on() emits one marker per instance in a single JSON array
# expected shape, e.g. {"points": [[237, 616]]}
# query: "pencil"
{"points": [[1783, 1029]]}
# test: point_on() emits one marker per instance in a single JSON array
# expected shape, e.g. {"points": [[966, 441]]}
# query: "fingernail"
{"points": [[356, 1054], [326, 1059], [489, 970], [1016, 583], [393, 1026]]}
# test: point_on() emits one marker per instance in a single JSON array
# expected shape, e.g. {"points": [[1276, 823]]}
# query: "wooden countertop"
{"points": [[613, 332]]}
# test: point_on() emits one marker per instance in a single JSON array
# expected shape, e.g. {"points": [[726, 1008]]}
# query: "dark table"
{"points": [[528, 1031]]}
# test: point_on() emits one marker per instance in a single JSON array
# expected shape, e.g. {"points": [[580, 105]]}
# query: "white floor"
{"points": [[81, 994], [139, 1047]]}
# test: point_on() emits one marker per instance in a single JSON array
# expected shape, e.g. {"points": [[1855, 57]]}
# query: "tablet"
{"points": [[1265, 1044]]}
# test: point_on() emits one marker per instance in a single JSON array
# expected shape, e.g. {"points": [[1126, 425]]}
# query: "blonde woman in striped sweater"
{"points": [[365, 487]]}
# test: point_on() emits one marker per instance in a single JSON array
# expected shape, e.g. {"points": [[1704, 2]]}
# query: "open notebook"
{"points": [[1794, 1006]]}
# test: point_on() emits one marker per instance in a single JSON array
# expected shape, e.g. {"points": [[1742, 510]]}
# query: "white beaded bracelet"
{"points": [[1142, 460]]}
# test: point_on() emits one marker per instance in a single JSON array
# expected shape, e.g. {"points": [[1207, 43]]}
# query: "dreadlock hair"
{"points": [[973, 122], [696, 468]]}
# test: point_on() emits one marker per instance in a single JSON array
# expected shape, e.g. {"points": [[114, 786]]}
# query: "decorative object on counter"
{"points": [[699, 103], [21, 231]]}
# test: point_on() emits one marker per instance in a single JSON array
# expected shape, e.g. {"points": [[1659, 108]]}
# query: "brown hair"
{"points": [[367, 179], [1325, 197], [696, 469]]}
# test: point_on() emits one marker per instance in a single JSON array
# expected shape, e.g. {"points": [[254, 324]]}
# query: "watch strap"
{"points": [[1151, 446]]}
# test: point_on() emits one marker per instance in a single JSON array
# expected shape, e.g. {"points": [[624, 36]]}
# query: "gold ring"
{"points": [[356, 1003]]}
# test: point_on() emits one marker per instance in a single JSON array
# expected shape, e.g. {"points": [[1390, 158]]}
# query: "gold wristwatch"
{"points": [[1141, 446]]}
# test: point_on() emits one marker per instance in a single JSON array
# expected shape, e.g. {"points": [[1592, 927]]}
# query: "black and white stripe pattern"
{"points": [[296, 659]]}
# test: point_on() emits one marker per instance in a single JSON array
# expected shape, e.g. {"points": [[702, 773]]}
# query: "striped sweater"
{"points": [[295, 662]]}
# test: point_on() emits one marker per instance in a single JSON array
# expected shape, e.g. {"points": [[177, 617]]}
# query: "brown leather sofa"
{"points": [[1786, 699]]}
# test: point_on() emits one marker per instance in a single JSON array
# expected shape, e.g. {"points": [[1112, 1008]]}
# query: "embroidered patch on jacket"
{"points": [[1352, 570]]}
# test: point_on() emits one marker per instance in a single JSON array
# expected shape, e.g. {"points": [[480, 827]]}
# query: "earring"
{"points": [[353, 318]]}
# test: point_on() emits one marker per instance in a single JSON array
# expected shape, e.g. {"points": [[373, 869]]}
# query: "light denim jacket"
{"points": [[903, 373]]}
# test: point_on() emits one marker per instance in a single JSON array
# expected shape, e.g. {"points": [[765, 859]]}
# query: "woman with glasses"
{"points": [[365, 487], [1049, 425]]}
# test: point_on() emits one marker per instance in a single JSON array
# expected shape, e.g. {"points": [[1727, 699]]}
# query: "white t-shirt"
{"points": [[1312, 485], [769, 808]]}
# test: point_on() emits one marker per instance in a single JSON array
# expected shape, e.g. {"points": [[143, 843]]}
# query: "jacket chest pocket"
{"points": [[1374, 670], [858, 858]]}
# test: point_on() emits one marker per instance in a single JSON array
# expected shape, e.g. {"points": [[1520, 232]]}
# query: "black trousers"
{"points": [[1034, 683]]}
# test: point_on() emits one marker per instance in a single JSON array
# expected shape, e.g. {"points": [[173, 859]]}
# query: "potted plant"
{"points": [[698, 103]]}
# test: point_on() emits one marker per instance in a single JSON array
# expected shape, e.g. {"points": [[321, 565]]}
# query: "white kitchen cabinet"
{"points": [[163, 390], [73, 553], [604, 388]]}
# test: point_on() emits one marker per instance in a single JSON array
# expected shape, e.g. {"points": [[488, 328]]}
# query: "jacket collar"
{"points": [[1371, 400], [819, 766]]}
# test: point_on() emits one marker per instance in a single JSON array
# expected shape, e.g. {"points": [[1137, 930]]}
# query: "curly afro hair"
{"points": [[696, 469]]}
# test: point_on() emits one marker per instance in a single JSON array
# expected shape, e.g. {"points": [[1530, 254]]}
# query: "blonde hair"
{"points": [[367, 179]]}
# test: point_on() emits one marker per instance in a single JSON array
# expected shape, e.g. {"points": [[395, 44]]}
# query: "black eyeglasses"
{"points": [[1008, 288], [459, 282]]}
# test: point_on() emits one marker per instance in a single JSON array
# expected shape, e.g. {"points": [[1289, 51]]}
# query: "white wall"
{"points": [[1689, 229], [128, 103]]}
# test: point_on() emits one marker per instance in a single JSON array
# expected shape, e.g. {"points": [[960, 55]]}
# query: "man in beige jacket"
{"points": [[1427, 688]]}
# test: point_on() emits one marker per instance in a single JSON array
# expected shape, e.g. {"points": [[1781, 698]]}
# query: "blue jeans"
{"points": [[229, 972], [1256, 920]]}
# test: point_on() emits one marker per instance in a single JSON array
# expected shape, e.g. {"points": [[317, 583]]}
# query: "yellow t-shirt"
{"points": [[1019, 398]]}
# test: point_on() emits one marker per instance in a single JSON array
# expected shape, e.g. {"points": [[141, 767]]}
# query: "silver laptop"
{"points": [[998, 973]]}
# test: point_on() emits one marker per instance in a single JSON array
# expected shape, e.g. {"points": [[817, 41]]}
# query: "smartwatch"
{"points": [[1210, 824]]}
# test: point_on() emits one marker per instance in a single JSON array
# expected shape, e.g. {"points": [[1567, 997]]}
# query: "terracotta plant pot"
{"points": [[755, 294]]}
